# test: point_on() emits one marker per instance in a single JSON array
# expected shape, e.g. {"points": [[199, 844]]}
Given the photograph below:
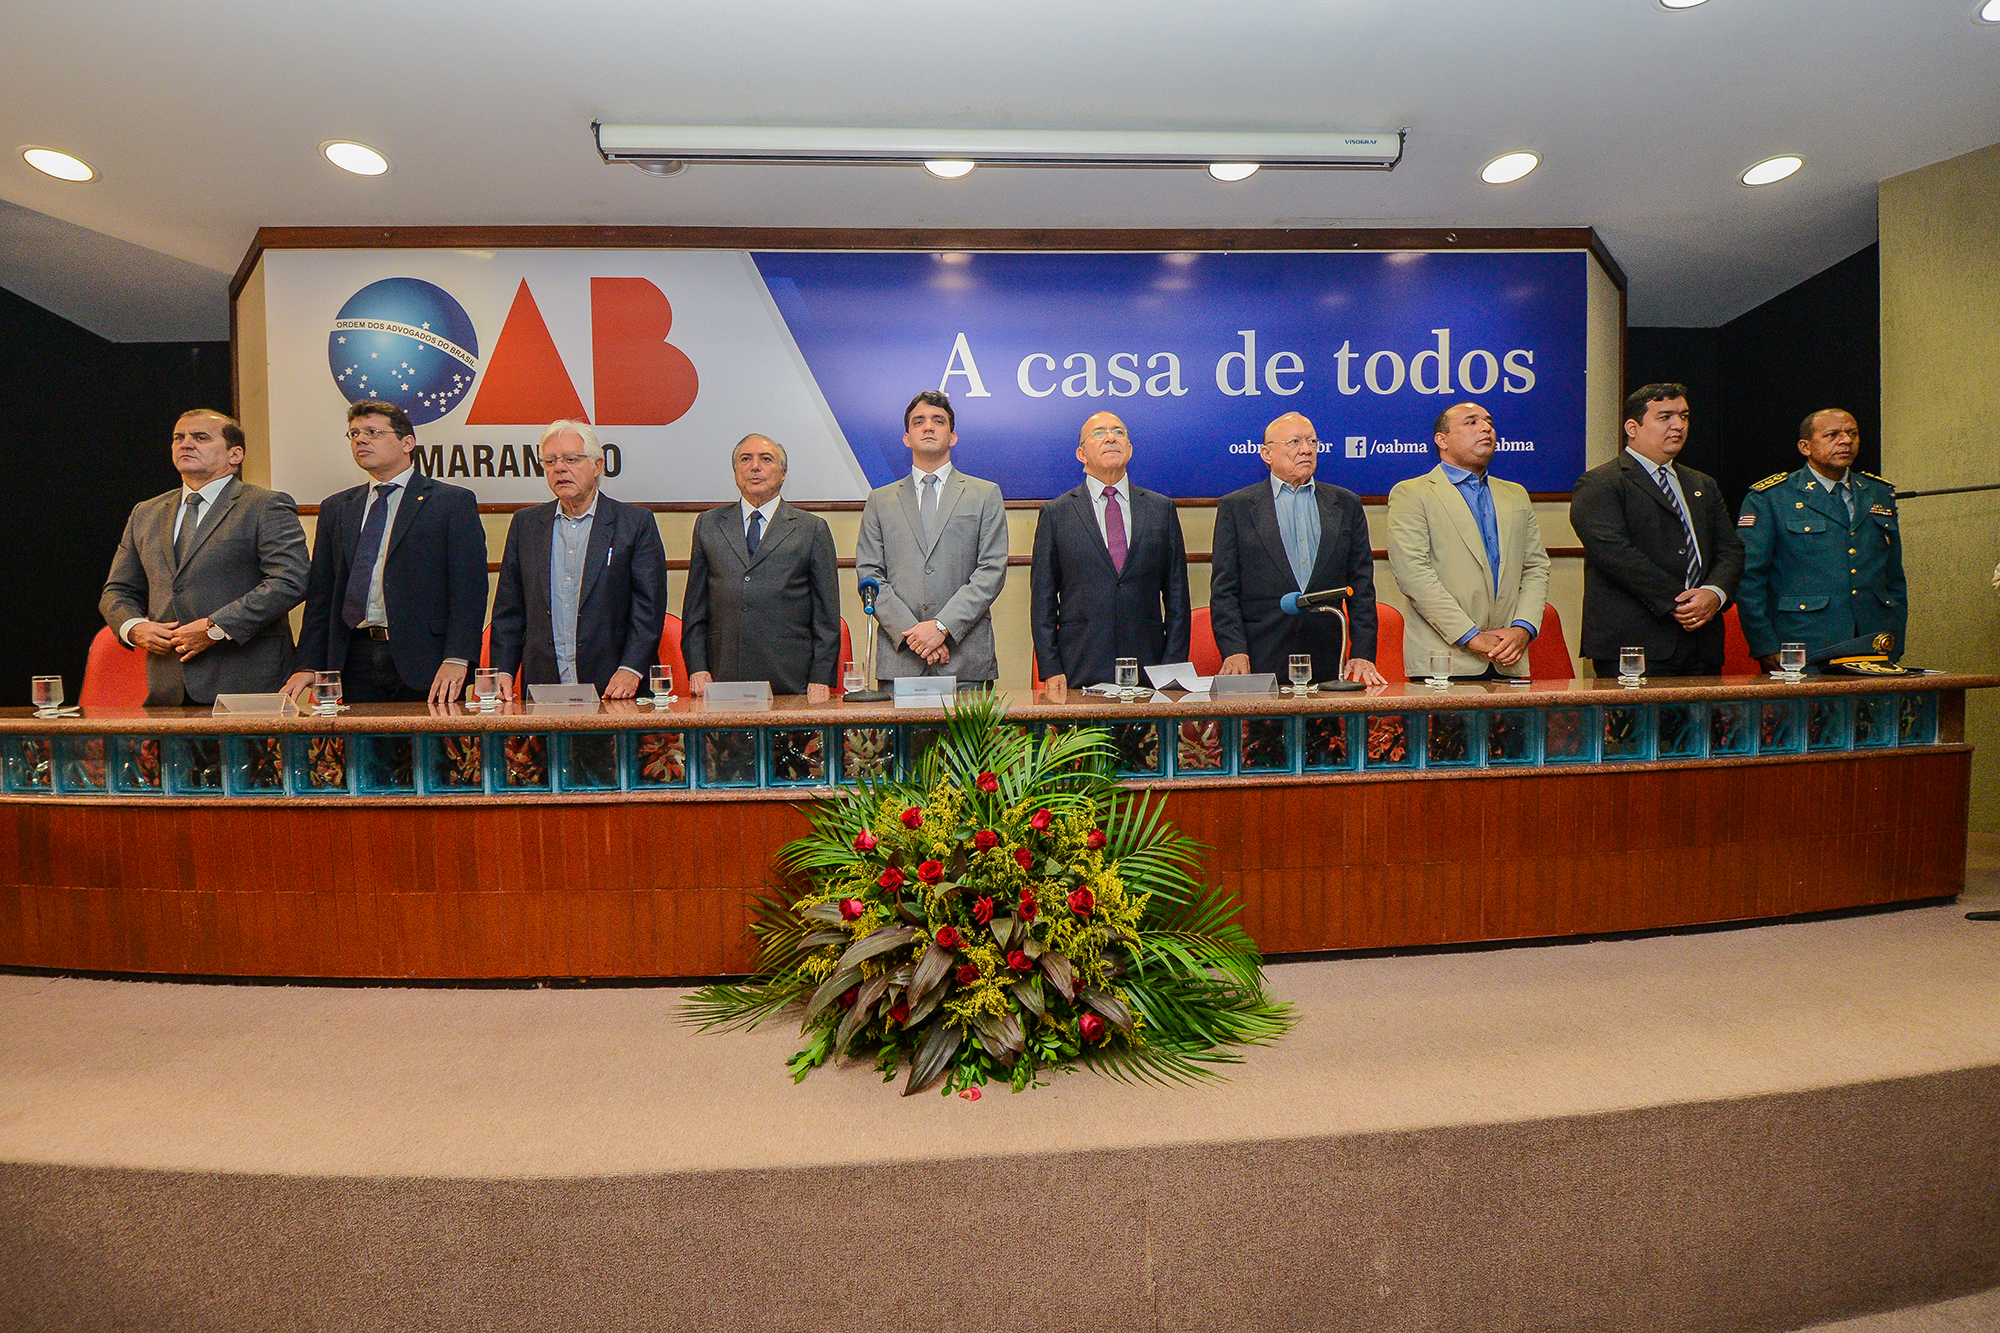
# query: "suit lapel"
{"points": [[947, 502], [782, 520], [906, 491], [1084, 511], [603, 531], [161, 530], [1643, 478], [414, 491], [1462, 521], [538, 528], [1827, 503], [732, 521], [1330, 543], [1266, 509], [208, 523]]}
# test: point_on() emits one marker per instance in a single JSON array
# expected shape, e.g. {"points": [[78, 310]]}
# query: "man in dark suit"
{"points": [[1110, 572], [583, 580], [205, 574], [1288, 533], [763, 596], [1661, 553], [398, 588]]}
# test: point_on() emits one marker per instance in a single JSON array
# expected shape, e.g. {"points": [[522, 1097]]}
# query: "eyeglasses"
{"points": [[1107, 433], [370, 433], [565, 460], [1293, 444]]}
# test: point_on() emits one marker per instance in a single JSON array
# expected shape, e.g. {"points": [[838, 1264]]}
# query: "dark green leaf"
{"points": [[856, 1017], [1060, 973], [1110, 1006], [831, 989], [876, 942], [933, 1057], [932, 969]]}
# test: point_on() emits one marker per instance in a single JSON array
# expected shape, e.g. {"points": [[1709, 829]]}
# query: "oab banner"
{"points": [[675, 355]]}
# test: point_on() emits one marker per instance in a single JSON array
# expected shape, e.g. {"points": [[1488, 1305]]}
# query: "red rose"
{"points": [[1024, 858], [930, 872], [987, 782], [899, 1012], [1020, 961], [949, 938], [1095, 840], [851, 909], [985, 840], [1028, 905], [913, 818], [849, 996], [1081, 901], [968, 974], [1040, 820], [891, 878], [1091, 1026], [982, 911], [864, 841]]}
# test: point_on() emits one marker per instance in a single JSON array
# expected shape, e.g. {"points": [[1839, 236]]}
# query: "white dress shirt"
{"points": [[1097, 489], [209, 495], [378, 612], [769, 509]]}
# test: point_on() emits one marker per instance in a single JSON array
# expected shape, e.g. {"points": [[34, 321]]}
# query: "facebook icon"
{"points": [[1357, 446]]}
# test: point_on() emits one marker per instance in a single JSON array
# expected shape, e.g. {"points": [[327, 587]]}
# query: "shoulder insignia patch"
{"points": [[1770, 481], [1747, 521], [1884, 480]]}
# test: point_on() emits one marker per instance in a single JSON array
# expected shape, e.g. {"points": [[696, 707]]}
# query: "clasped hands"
{"points": [[1502, 647], [171, 636], [927, 641]]}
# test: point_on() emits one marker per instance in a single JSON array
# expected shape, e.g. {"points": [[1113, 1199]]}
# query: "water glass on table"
{"points": [[1299, 670], [1792, 660], [852, 679], [326, 692], [1440, 677], [47, 692], [663, 684], [486, 688], [1127, 669], [1631, 666]]}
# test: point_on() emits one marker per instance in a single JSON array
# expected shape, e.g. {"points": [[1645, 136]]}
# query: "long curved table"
{"points": [[409, 842]]}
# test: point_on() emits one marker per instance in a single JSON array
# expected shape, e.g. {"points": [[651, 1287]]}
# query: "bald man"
{"points": [[1110, 572], [1284, 534]]}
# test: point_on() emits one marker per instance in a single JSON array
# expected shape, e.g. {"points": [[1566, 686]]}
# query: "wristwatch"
{"points": [[217, 633], [942, 631]]}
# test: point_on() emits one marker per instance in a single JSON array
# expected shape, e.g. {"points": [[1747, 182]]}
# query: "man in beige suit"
{"points": [[1467, 552]]}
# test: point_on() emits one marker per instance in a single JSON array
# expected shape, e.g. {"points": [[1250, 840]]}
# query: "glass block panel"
{"points": [[80, 763], [798, 754], [521, 762], [1510, 736], [256, 764], [1826, 723], [1391, 742], [320, 765], [1730, 728], [660, 759], [864, 753], [388, 764], [1625, 733], [1264, 745], [1138, 745], [1569, 736], [29, 766], [1450, 740], [1916, 719], [454, 764], [1780, 727], [1874, 721], [920, 740], [194, 765], [1200, 747], [136, 766], [1679, 727], [589, 760], [728, 758], [1326, 743]]}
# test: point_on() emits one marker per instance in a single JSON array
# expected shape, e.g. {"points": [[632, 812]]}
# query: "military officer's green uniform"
{"points": [[1813, 575]]}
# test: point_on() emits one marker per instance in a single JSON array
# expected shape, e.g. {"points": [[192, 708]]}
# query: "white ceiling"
{"points": [[203, 119]]}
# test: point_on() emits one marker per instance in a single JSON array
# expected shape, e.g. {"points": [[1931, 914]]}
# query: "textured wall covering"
{"points": [[1940, 388]]}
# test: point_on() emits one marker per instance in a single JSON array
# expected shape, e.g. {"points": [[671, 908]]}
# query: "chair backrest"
{"points": [[1389, 641], [670, 651], [1548, 655], [114, 674], [1736, 659], [1207, 658]]}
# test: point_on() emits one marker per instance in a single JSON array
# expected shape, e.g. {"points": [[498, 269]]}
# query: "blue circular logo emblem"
{"points": [[404, 341]]}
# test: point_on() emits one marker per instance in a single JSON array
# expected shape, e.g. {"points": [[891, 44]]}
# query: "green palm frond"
{"points": [[737, 1008]]}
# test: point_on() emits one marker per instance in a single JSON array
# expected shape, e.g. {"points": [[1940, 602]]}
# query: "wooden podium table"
{"points": [[409, 842]]}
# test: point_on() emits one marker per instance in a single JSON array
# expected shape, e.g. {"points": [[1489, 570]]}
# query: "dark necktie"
{"points": [[756, 532], [1694, 548], [190, 526], [927, 505], [354, 608], [1114, 528], [1847, 498]]}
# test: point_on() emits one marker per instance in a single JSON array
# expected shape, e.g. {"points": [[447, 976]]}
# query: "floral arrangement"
{"points": [[1011, 910]]}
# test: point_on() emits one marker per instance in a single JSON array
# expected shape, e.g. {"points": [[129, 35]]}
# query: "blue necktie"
{"points": [[756, 533], [354, 608], [1694, 548]]}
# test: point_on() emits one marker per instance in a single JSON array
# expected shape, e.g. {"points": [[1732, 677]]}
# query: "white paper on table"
{"points": [[1178, 676]]}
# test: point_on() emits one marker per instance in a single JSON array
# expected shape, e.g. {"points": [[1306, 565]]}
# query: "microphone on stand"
{"points": [[872, 695], [1327, 601]]}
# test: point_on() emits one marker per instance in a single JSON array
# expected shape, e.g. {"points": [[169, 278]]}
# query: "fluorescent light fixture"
{"points": [[355, 157], [1990, 12], [949, 168], [1508, 168], [60, 165], [1772, 170], [1232, 171], [1333, 150]]}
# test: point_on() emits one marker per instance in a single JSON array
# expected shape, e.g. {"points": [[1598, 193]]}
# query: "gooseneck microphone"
{"points": [[1298, 603], [868, 587]]}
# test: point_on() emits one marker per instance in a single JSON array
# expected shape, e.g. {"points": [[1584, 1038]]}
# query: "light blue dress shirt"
{"points": [[568, 544], [1478, 495], [1298, 524]]}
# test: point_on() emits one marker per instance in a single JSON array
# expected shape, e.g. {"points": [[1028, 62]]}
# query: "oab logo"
{"points": [[409, 342]]}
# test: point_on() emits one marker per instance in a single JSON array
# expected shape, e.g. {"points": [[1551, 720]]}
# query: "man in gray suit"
{"points": [[763, 594], [205, 574], [937, 543]]}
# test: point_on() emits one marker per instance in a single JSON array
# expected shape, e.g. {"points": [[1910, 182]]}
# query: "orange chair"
{"points": [[1548, 655], [1389, 642], [1207, 658], [671, 654], [114, 675], [1736, 659]]}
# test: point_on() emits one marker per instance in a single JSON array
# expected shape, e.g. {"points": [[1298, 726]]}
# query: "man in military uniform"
{"points": [[1822, 559]]}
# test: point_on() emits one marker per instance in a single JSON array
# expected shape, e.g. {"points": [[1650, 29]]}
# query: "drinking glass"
{"points": [[1792, 657], [326, 691], [1440, 671], [1128, 677], [663, 684], [486, 687], [1299, 668], [47, 694], [853, 680], [1631, 666]]}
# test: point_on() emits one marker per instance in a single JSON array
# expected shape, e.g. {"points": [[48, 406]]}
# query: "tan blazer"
{"points": [[1440, 563]]}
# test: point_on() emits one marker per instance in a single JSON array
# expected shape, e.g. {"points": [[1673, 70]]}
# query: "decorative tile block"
{"points": [[798, 756], [1391, 740], [255, 765], [80, 764], [589, 760], [1201, 747], [1510, 736], [1451, 739], [1875, 721], [1827, 722], [136, 764], [454, 764], [1681, 729], [1569, 736], [1138, 745], [1326, 743], [1780, 727], [194, 765], [728, 757], [520, 762], [387, 765], [660, 759], [319, 765], [1732, 728], [1627, 734], [1916, 719], [1264, 745]]}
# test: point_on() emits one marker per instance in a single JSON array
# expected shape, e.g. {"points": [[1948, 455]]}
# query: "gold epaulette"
{"points": [[1884, 480], [1770, 481]]}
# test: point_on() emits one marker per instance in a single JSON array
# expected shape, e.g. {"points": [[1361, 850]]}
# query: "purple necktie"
{"points": [[1114, 528]]}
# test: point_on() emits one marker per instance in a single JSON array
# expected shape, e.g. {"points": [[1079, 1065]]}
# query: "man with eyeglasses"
{"points": [[583, 579], [1110, 571], [397, 594], [1289, 533]]}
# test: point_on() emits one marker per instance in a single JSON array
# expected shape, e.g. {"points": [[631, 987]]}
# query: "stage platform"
{"points": [[1759, 1128]]}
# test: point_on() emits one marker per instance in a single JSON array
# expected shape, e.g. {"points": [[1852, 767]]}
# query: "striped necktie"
{"points": [[1694, 548]]}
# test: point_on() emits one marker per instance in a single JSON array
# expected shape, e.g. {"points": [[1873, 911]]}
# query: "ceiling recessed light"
{"points": [[60, 165], [1990, 12], [661, 170], [1508, 168], [1232, 171], [1772, 169], [949, 168], [355, 157], [1681, 4]]}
